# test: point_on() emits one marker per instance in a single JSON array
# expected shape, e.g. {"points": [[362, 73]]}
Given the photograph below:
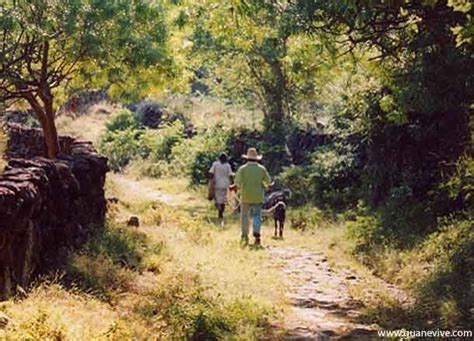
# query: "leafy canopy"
{"points": [[45, 43]]}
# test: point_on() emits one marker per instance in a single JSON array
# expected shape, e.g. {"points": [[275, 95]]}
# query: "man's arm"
{"points": [[237, 180]]}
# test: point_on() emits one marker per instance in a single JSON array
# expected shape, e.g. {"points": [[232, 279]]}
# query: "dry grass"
{"points": [[88, 126], [187, 228], [190, 277], [208, 112], [51, 312]]}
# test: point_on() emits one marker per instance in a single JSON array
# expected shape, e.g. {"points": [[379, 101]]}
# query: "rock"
{"points": [[112, 200], [150, 114], [133, 221], [4, 320]]}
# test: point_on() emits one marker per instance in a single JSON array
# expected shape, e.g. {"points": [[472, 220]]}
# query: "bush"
{"points": [[328, 182], [447, 292], [298, 179], [201, 165], [306, 217], [121, 147], [123, 120], [367, 232], [105, 263], [193, 157], [158, 144]]}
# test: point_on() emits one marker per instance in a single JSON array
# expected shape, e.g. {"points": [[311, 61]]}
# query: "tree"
{"points": [[417, 122], [45, 44], [256, 53]]}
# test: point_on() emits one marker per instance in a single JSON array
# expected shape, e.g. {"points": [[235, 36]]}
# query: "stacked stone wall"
{"points": [[46, 206]]}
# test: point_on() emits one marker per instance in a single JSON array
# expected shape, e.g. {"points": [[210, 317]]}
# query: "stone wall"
{"points": [[46, 206], [29, 142]]}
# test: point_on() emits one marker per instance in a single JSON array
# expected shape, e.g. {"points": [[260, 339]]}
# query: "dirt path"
{"points": [[321, 306]]}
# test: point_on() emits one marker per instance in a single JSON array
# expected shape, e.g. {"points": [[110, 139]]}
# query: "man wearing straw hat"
{"points": [[251, 178]]}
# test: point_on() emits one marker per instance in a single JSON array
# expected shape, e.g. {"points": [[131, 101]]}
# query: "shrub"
{"points": [[98, 274], [121, 147], [40, 326], [366, 231], [122, 245], [201, 165], [155, 169], [306, 217], [105, 263], [123, 120], [457, 187], [193, 157], [328, 182], [298, 179], [157, 144], [446, 291]]}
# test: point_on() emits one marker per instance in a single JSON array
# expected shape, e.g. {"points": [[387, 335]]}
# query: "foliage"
{"points": [[328, 181], [367, 233], [200, 167], [38, 327], [122, 120], [306, 217], [158, 144], [46, 43], [121, 147], [194, 156], [254, 52]]}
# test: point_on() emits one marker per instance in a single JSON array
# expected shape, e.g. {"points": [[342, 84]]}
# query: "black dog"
{"points": [[279, 216]]}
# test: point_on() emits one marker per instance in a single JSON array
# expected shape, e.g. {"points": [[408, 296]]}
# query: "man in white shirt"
{"points": [[221, 174]]}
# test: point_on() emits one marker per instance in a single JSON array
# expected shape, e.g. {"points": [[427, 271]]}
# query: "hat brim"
{"points": [[256, 158]]}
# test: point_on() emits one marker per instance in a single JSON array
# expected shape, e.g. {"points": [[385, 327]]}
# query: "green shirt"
{"points": [[251, 178]]}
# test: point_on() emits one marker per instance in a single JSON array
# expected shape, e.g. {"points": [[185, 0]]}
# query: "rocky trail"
{"points": [[321, 306]]}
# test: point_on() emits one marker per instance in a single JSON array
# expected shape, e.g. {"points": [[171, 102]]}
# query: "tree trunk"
{"points": [[51, 134], [46, 118]]}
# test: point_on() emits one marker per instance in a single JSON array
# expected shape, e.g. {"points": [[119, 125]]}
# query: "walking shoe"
{"points": [[257, 239], [244, 240]]}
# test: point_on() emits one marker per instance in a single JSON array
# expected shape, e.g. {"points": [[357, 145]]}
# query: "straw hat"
{"points": [[252, 155]]}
